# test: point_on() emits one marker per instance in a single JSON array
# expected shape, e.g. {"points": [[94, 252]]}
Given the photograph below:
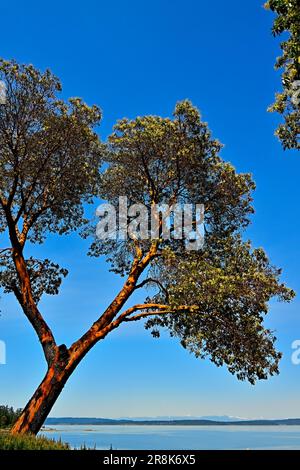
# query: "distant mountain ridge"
{"points": [[180, 418], [173, 422]]}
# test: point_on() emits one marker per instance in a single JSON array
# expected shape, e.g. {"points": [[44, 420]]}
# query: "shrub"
{"points": [[29, 442]]}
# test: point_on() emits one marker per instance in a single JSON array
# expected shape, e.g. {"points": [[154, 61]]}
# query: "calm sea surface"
{"points": [[177, 437]]}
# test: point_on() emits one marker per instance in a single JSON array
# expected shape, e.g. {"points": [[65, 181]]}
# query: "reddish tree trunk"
{"points": [[39, 406], [62, 361]]}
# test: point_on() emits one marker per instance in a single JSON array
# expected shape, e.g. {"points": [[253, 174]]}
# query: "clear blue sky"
{"points": [[132, 57]]}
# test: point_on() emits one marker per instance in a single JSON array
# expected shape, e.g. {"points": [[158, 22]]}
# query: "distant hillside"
{"points": [[176, 422]]}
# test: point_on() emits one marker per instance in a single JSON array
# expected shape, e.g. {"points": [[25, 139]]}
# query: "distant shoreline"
{"points": [[177, 422]]}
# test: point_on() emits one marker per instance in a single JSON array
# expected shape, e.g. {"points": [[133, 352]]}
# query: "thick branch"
{"points": [[85, 343], [137, 307], [25, 298], [156, 309], [152, 309], [147, 314], [24, 294], [28, 223]]}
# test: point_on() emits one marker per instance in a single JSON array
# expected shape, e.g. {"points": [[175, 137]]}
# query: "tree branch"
{"points": [[25, 298], [137, 307], [158, 309], [104, 322], [147, 314], [155, 281], [24, 294], [2, 250]]}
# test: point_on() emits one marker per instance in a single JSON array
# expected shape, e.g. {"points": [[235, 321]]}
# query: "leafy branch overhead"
{"points": [[287, 103]]}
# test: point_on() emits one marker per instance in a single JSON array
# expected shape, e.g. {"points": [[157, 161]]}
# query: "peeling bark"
{"points": [[39, 406]]}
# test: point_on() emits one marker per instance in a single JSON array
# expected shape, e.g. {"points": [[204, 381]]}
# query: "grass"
{"points": [[29, 442]]}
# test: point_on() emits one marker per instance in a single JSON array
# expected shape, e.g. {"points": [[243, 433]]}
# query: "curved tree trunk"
{"points": [[63, 361], [39, 406]]}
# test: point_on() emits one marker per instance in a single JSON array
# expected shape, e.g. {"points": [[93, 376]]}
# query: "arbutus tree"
{"points": [[213, 299]]}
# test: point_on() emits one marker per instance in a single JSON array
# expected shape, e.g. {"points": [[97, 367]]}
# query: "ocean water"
{"points": [[177, 437]]}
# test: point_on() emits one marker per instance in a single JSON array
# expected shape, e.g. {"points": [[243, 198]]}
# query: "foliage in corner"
{"points": [[288, 100]]}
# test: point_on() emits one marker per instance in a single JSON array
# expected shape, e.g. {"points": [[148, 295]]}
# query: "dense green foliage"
{"points": [[8, 415], [287, 102], [213, 299], [49, 167]]}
